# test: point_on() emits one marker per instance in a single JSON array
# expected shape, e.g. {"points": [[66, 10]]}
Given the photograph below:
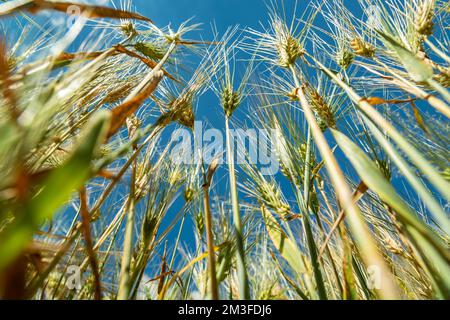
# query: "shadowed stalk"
{"points": [[180, 230]]}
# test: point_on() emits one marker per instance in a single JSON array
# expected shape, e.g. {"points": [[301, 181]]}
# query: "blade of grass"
{"points": [[56, 190], [86, 10], [430, 202], [414, 155], [288, 249], [375, 180]]}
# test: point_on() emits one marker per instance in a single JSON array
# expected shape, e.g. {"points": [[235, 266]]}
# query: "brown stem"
{"points": [[359, 192], [86, 228], [209, 233]]}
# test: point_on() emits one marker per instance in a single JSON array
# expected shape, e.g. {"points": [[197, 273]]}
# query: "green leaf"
{"points": [[350, 290], [435, 209], [150, 50], [375, 180], [287, 248], [417, 69], [54, 191]]}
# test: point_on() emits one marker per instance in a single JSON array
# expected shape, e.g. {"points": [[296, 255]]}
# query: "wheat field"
{"points": [[354, 103]]}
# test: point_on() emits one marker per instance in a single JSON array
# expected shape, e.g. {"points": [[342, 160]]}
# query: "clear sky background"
{"points": [[223, 12]]}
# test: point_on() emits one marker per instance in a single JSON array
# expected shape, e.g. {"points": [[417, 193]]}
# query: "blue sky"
{"points": [[222, 12]]}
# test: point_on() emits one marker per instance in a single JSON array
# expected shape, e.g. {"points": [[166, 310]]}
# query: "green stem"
{"points": [[210, 242], [172, 259], [388, 288], [306, 223], [125, 271], [244, 290]]}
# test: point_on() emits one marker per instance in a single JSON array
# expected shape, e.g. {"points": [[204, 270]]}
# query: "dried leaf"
{"points": [[123, 111], [86, 228], [375, 101], [419, 118], [150, 63], [13, 279], [162, 279], [66, 57], [88, 11]]}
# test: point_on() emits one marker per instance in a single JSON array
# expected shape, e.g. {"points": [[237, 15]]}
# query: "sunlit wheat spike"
{"points": [[362, 48], [424, 17]]}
